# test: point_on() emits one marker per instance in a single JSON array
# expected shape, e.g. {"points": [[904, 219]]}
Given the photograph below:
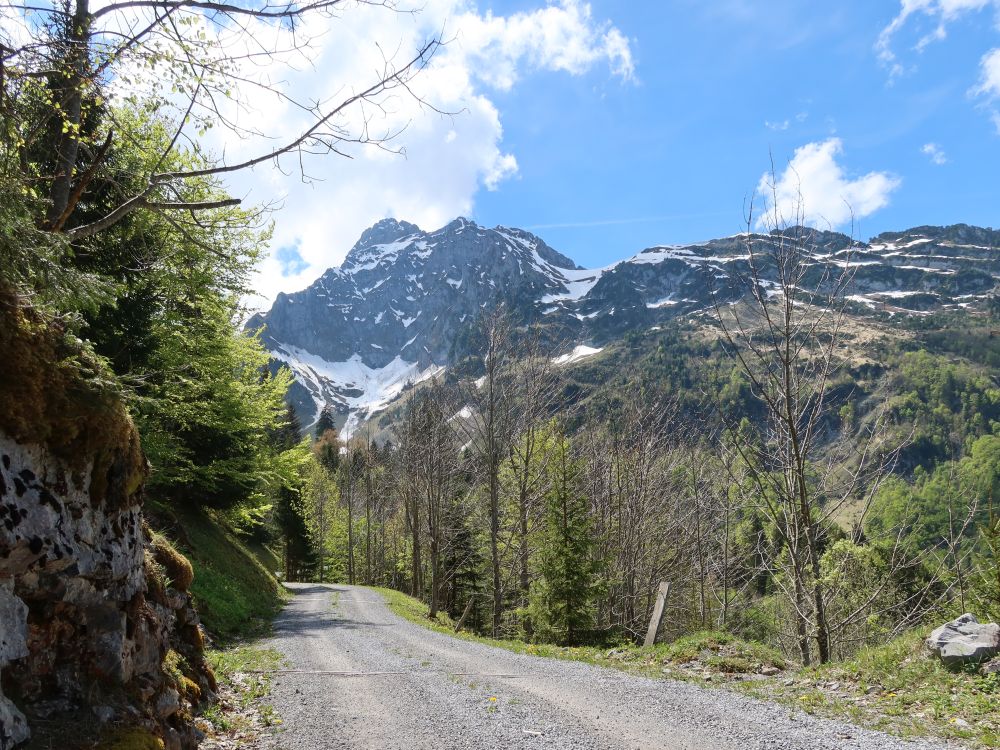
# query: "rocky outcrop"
{"points": [[396, 308], [965, 640], [90, 622]]}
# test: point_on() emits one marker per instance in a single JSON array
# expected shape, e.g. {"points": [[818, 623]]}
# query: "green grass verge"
{"points": [[234, 587], [900, 689], [713, 652], [247, 670]]}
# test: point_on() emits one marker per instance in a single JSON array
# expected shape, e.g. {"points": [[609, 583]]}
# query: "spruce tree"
{"points": [[562, 598], [301, 558], [325, 422]]}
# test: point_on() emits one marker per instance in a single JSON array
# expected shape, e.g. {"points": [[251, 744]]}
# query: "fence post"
{"points": [[468, 608], [657, 618]]}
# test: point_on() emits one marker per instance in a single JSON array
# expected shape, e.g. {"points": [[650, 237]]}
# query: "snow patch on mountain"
{"points": [[399, 308], [364, 390], [579, 352]]}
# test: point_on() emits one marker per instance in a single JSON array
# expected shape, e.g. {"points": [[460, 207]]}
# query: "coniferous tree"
{"points": [[562, 599], [325, 422], [301, 558]]}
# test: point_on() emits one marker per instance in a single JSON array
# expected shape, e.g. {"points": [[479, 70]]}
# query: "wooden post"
{"points": [[657, 618], [468, 608]]}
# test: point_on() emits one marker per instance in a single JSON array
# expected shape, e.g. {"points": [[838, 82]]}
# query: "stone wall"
{"points": [[91, 621]]}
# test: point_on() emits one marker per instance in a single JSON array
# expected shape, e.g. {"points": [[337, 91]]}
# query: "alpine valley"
{"points": [[402, 306]]}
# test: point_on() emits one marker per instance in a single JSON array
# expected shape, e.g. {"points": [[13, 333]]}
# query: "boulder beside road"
{"points": [[965, 640]]}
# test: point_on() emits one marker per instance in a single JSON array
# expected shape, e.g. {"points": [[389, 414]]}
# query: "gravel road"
{"points": [[402, 687]]}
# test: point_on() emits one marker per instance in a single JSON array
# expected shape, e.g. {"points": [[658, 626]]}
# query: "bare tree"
{"points": [[431, 461], [788, 338], [536, 386], [641, 508], [327, 452], [489, 428], [410, 499], [350, 468], [205, 52]]}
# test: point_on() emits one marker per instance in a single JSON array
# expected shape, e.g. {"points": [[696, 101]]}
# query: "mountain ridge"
{"points": [[395, 310]]}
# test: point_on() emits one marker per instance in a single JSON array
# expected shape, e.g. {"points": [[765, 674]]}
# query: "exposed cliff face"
{"points": [[392, 312], [404, 300], [88, 622]]}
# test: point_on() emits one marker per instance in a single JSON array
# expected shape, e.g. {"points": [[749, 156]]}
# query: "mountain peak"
{"points": [[386, 231], [404, 303]]}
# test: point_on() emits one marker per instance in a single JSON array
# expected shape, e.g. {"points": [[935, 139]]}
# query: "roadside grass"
{"points": [[700, 656], [899, 689], [237, 596], [896, 688], [244, 672]]}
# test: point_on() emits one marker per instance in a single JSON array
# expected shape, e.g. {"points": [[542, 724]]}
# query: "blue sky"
{"points": [[607, 127], [689, 139]]}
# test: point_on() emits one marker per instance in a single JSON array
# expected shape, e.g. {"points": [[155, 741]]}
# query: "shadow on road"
{"points": [[313, 623]]}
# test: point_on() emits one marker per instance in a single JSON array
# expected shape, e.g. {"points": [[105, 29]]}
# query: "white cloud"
{"points": [[779, 126], [940, 12], [815, 190], [15, 27], [989, 78], [561, 37], [943, 13], [449, 145], [935, 153], [447, 158]]}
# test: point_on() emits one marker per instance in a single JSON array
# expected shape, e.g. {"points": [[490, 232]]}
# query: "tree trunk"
{"points": [[523, 554], [801, 618], [416, 587], [368, 528], [435, 579], [75, 73], [495, 547], [819, 606]]}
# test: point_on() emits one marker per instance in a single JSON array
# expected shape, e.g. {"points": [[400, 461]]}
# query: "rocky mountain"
{"points": [[394, 312]]}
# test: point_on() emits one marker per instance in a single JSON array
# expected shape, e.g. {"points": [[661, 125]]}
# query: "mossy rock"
{"points": [[57, 394], [178, 569], [732, 664], [132, 738], [190, 690], [156, 579]]}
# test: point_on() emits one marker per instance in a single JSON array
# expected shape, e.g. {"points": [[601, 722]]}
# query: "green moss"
{"points": [[177, 568], [173, 667], [731, 664], [156, 579], [56, 393]]}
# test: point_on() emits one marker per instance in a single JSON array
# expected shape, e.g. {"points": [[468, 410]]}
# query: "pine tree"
{"points": [[325, 422], [562, 599], [301, 558], [288, 433]]}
